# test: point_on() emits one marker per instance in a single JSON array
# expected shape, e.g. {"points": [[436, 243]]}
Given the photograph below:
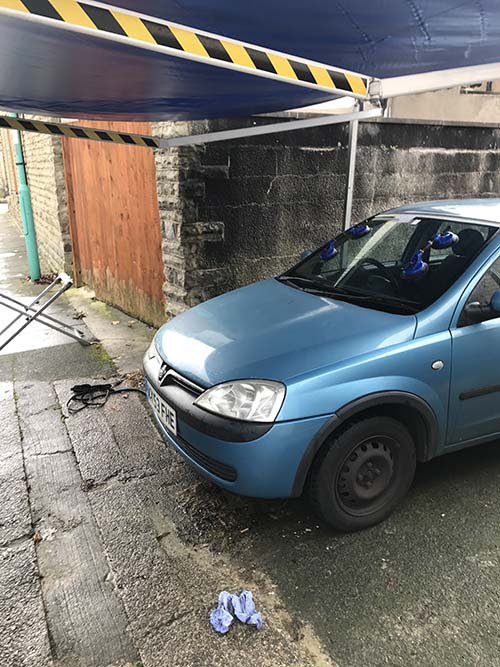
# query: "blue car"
{"points": [[378, 350]]}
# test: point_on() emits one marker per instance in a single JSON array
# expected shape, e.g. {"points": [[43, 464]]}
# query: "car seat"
{"points": [[468, 244]]}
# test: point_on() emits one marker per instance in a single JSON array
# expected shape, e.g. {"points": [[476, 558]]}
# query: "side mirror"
{"points": [[304, 254], [481, 312], [495, 302]]}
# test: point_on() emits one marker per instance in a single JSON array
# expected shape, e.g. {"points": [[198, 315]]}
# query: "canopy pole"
{"points": [[12, 122], [110, 136], [351, 170], [259, 130]]}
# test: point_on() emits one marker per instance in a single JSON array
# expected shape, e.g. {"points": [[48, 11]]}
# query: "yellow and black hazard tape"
{"points": [[74, 132], [186, 40]]}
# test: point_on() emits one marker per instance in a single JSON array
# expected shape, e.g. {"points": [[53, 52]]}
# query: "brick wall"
{"points": [[235, 212], [45, 172]]}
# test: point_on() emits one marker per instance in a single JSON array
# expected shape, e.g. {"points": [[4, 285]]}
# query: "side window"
{"points": [[484, 290]]}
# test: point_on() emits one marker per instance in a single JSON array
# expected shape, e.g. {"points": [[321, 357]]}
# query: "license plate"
{"points": [[163, 411]]}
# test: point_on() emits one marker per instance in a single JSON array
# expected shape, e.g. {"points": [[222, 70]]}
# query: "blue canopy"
{"points": [[52, 62]]}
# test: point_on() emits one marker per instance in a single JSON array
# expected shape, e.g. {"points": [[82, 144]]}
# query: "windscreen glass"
{"points": [[399, 264]]}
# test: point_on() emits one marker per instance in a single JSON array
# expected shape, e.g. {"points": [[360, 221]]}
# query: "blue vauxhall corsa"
{"points": [[379, 349]]}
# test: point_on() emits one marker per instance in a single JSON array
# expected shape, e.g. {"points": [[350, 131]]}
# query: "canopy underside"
{"points": [[63, 68]]}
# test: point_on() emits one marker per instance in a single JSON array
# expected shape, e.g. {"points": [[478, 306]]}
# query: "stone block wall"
{"points": [[3, 173], [10, 175], [45, 172], [181, 191], [238, 211]]}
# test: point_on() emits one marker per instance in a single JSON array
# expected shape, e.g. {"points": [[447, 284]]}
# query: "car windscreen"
{"points": [[399, 264]]}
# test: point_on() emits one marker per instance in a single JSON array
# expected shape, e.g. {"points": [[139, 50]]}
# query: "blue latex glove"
{"points": [[220, 618], [244, 609]]}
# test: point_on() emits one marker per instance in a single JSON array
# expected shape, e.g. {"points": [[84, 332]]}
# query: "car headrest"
{"points": [[469, 242]]}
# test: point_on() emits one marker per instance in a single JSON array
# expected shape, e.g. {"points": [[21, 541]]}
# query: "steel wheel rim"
{"points": [[366, 478]]}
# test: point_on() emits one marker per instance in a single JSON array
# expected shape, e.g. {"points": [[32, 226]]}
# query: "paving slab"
{"points": [[125, 338], [24, 640], [117, 441], [85, 617], [15, 520], [70, 360], [40, 418]]}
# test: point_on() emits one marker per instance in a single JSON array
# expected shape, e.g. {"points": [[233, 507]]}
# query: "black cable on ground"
{"points": [[95, 395]]}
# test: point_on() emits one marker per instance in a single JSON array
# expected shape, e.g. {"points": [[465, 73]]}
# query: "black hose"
{"points": [[95, 395]]}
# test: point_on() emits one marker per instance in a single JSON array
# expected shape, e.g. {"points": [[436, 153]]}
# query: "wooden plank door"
{"points": [[115, 221]]}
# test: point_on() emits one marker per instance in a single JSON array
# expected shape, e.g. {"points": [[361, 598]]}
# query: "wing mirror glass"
{"points": [[495, 302], [481, 312]]}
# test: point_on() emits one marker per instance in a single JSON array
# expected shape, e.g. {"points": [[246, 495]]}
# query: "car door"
{"points": [[474, 408]]}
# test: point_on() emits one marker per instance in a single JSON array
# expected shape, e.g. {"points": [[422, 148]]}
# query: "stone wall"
{"points": [[45, 172], [11, 174], [3, 174], [235, 212], [181, 190]]}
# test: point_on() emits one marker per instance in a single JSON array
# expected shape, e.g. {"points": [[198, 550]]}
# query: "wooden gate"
{"points": [[114, 221]]}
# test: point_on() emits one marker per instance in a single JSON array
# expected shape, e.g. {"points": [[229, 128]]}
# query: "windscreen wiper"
{"points": [[316, 287], [381, 299], [313, 287], [308, 285], [299, 279]]}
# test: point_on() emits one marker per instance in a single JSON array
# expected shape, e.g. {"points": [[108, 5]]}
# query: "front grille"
{"points": [[217, 468], [169, 376]]}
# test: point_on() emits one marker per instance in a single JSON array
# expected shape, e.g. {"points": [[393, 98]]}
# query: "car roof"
{"points": [[487, 210]]}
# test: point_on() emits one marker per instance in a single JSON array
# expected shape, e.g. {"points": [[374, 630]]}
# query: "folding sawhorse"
{"points": [[35, 311]]}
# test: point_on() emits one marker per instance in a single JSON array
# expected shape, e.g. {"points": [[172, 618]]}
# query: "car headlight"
{"points": [[248, 400]]}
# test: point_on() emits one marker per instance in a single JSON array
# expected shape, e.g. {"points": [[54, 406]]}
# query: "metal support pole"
{"points": [[351, 171], [26, 209], [260, 130]]}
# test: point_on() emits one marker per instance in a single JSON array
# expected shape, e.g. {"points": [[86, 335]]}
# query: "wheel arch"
{"points": [[411, 410]]}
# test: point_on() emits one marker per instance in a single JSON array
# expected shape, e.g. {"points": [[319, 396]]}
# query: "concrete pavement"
{"points": [[113, 551]]}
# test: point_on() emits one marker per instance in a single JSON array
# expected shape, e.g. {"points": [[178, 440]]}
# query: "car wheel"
{"points": [[362, 473]]}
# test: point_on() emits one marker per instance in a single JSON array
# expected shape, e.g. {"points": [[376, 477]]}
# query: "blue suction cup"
{"points": [[329, 251], [416, 266], [444, 240], [357, 231]]}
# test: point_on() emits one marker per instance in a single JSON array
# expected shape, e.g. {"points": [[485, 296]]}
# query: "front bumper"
{"points": [[265, 466]]}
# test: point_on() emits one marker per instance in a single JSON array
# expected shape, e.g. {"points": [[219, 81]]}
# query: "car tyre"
{"points": [[362, 473]]}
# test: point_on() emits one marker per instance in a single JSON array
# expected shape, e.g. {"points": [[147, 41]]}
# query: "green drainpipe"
{"points": [[26, 208]]}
